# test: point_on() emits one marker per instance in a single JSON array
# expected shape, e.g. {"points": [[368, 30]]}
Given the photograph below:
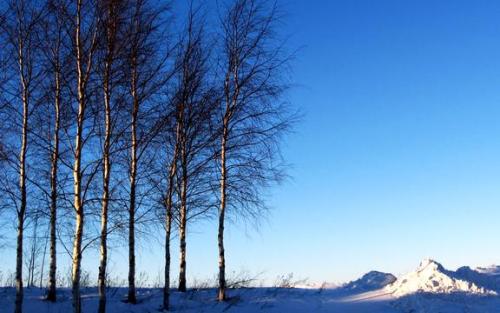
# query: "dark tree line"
{"points": [[117, 117]]}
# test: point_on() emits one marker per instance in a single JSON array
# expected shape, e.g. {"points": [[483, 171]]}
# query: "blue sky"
{"points": [[397, 157], [399, 154]]}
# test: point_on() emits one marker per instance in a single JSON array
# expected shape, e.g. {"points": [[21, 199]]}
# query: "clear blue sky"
{"points": [[398, 156]]}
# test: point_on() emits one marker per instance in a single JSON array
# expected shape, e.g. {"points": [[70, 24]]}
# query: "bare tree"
{"points": [[19, 26], [56, 57], [194, 101], [147, 74], [84, 46], [54, 46], [112, 18], [133, 155], [253, 117]]}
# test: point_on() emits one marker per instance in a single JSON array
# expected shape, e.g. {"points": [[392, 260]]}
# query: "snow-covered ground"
{"points": [[243, 300], [429, 289]]}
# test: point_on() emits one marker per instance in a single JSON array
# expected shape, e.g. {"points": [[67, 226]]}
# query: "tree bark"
{"points": [[168, 220], [51, 294], [229, 110], [77, 244], [131, 226], [111, 33], [21, 214], [19, 259], [183, 219], [82, 76], [221, 294], [168, 228], [105, 192], [77, 252], [133, 180]]}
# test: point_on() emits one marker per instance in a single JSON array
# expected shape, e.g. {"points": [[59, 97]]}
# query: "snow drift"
{"points": [[432, 288], [486, 277], [432, 277], [370, 281]]}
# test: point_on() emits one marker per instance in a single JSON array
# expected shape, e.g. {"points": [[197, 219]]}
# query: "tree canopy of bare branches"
{"points": [[119, 118]]}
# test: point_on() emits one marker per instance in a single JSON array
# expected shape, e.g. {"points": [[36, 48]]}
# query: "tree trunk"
{"points": [[19, 263], [183, 223], [221, 294], [77, 256], [51, 294], [22, 186], [77, 244], [168, 221], [168, 228], [131, 237], [19, 250], [133, 177], [77, 174], [111, 30], [105, 193]]}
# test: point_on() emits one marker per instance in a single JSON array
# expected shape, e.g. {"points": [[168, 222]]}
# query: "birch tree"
{"points": [[112, 21], [85, 39], [56, 54], [20, 25], [170, 144], [194, 102], [147, 73], [253, 114], [168, 202]]}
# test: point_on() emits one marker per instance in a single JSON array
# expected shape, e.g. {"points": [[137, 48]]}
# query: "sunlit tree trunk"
{"points": [[109, 58], [83, 72], [22, 186], [25, 79], [221, 294], [78, 205], [230, 100]]}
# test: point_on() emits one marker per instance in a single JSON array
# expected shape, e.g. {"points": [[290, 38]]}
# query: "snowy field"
{"points": [[429, 289]]}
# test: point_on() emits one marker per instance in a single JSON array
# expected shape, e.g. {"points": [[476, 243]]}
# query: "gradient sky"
{"points": [[397, 157]]}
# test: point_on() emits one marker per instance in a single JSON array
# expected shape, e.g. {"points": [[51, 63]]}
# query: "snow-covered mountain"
{"points": [[432, 277]]}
